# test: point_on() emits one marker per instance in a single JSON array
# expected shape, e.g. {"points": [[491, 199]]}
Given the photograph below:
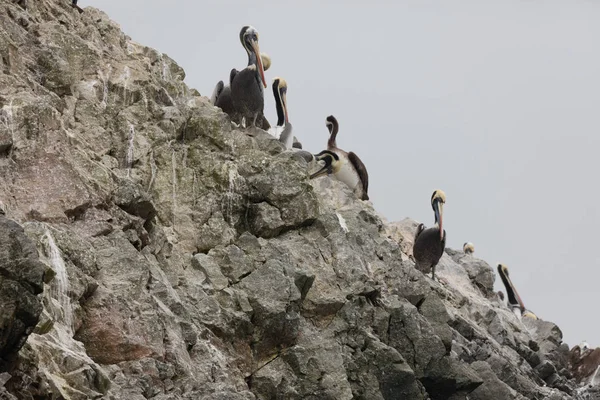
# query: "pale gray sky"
{"points": [[495, 102]]}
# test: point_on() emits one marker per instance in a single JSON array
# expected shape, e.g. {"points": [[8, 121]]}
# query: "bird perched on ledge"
{"points": [[514, 300], [430, 243], [283, 120], [221, 96], [468, 248], [344, 166], [247, 85]]}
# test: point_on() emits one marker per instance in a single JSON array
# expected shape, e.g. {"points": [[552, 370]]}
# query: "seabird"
{"points": [[430, 243], [333, 127], [514, 300], [468, 248], [283, 120], [344, 166], [247, 85], [74, 5], [221, 96]]}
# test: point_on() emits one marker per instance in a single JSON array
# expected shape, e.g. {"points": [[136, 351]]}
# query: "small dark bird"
{"points": [[344, 166], [74, 5], [431, 242]]}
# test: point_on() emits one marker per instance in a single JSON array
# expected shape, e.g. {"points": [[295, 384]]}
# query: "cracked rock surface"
{"points": [[150, 250]]}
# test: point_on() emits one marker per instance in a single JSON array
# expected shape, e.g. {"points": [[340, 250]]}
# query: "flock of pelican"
{"points": [[243, 101]]}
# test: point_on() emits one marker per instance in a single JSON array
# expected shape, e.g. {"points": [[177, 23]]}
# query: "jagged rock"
{"points": [[211, 269], [265, 220], [188, 259], [21, 279], [492, 388], [479, 271]]}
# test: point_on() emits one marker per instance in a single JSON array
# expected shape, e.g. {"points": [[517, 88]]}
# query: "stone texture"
{"points": [[185, 258], [21, 279]]}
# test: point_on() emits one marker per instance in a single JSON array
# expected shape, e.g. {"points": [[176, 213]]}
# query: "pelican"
{"points": [[221, 96], [283, 121], [75, 6], [468, 248], [333, 126], [247, 85], [430, 243], [514, 300], [344, 166]]}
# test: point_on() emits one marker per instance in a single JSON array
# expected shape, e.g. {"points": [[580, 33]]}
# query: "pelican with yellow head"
{"points": [[514, 300], [430, 243]]}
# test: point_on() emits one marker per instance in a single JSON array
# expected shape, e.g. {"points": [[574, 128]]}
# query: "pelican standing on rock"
{"points": [[468, 248], [283, 121], [344, 166], [75, 6], [431, 242], [247, 85], [221, 96], [514, 300]]}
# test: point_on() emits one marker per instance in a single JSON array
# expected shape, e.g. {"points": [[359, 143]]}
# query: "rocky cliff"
{"points": [[152, 250]]}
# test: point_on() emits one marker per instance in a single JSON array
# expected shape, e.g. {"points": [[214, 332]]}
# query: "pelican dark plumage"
{"points": [[221, 96], [468, 248], [430, 243], [333, 127], [514, 300], [247, 85], [344, 166], [75, 6], [283, 120]]}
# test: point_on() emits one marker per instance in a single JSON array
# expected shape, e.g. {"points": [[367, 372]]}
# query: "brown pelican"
{"points": [[247, 85], [514, 300], [283, 121], [344, 166], [74, 5], [333, 126], [468, 248], [221, 96], [430, 243]]}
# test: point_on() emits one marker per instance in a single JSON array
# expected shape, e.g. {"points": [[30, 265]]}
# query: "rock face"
{"points": [[187, 259], [21, 279]]}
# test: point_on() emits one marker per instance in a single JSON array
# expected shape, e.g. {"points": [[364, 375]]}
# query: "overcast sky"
{"points": [[495, 102]]}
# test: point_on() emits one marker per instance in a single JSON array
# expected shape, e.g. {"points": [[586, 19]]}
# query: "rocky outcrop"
{"points": [[191, 259]]}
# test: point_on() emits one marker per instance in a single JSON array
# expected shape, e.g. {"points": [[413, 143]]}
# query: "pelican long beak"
{"points": [[439, 211], [521, 304], [285, 109], [259, 63], [321, 172]]}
